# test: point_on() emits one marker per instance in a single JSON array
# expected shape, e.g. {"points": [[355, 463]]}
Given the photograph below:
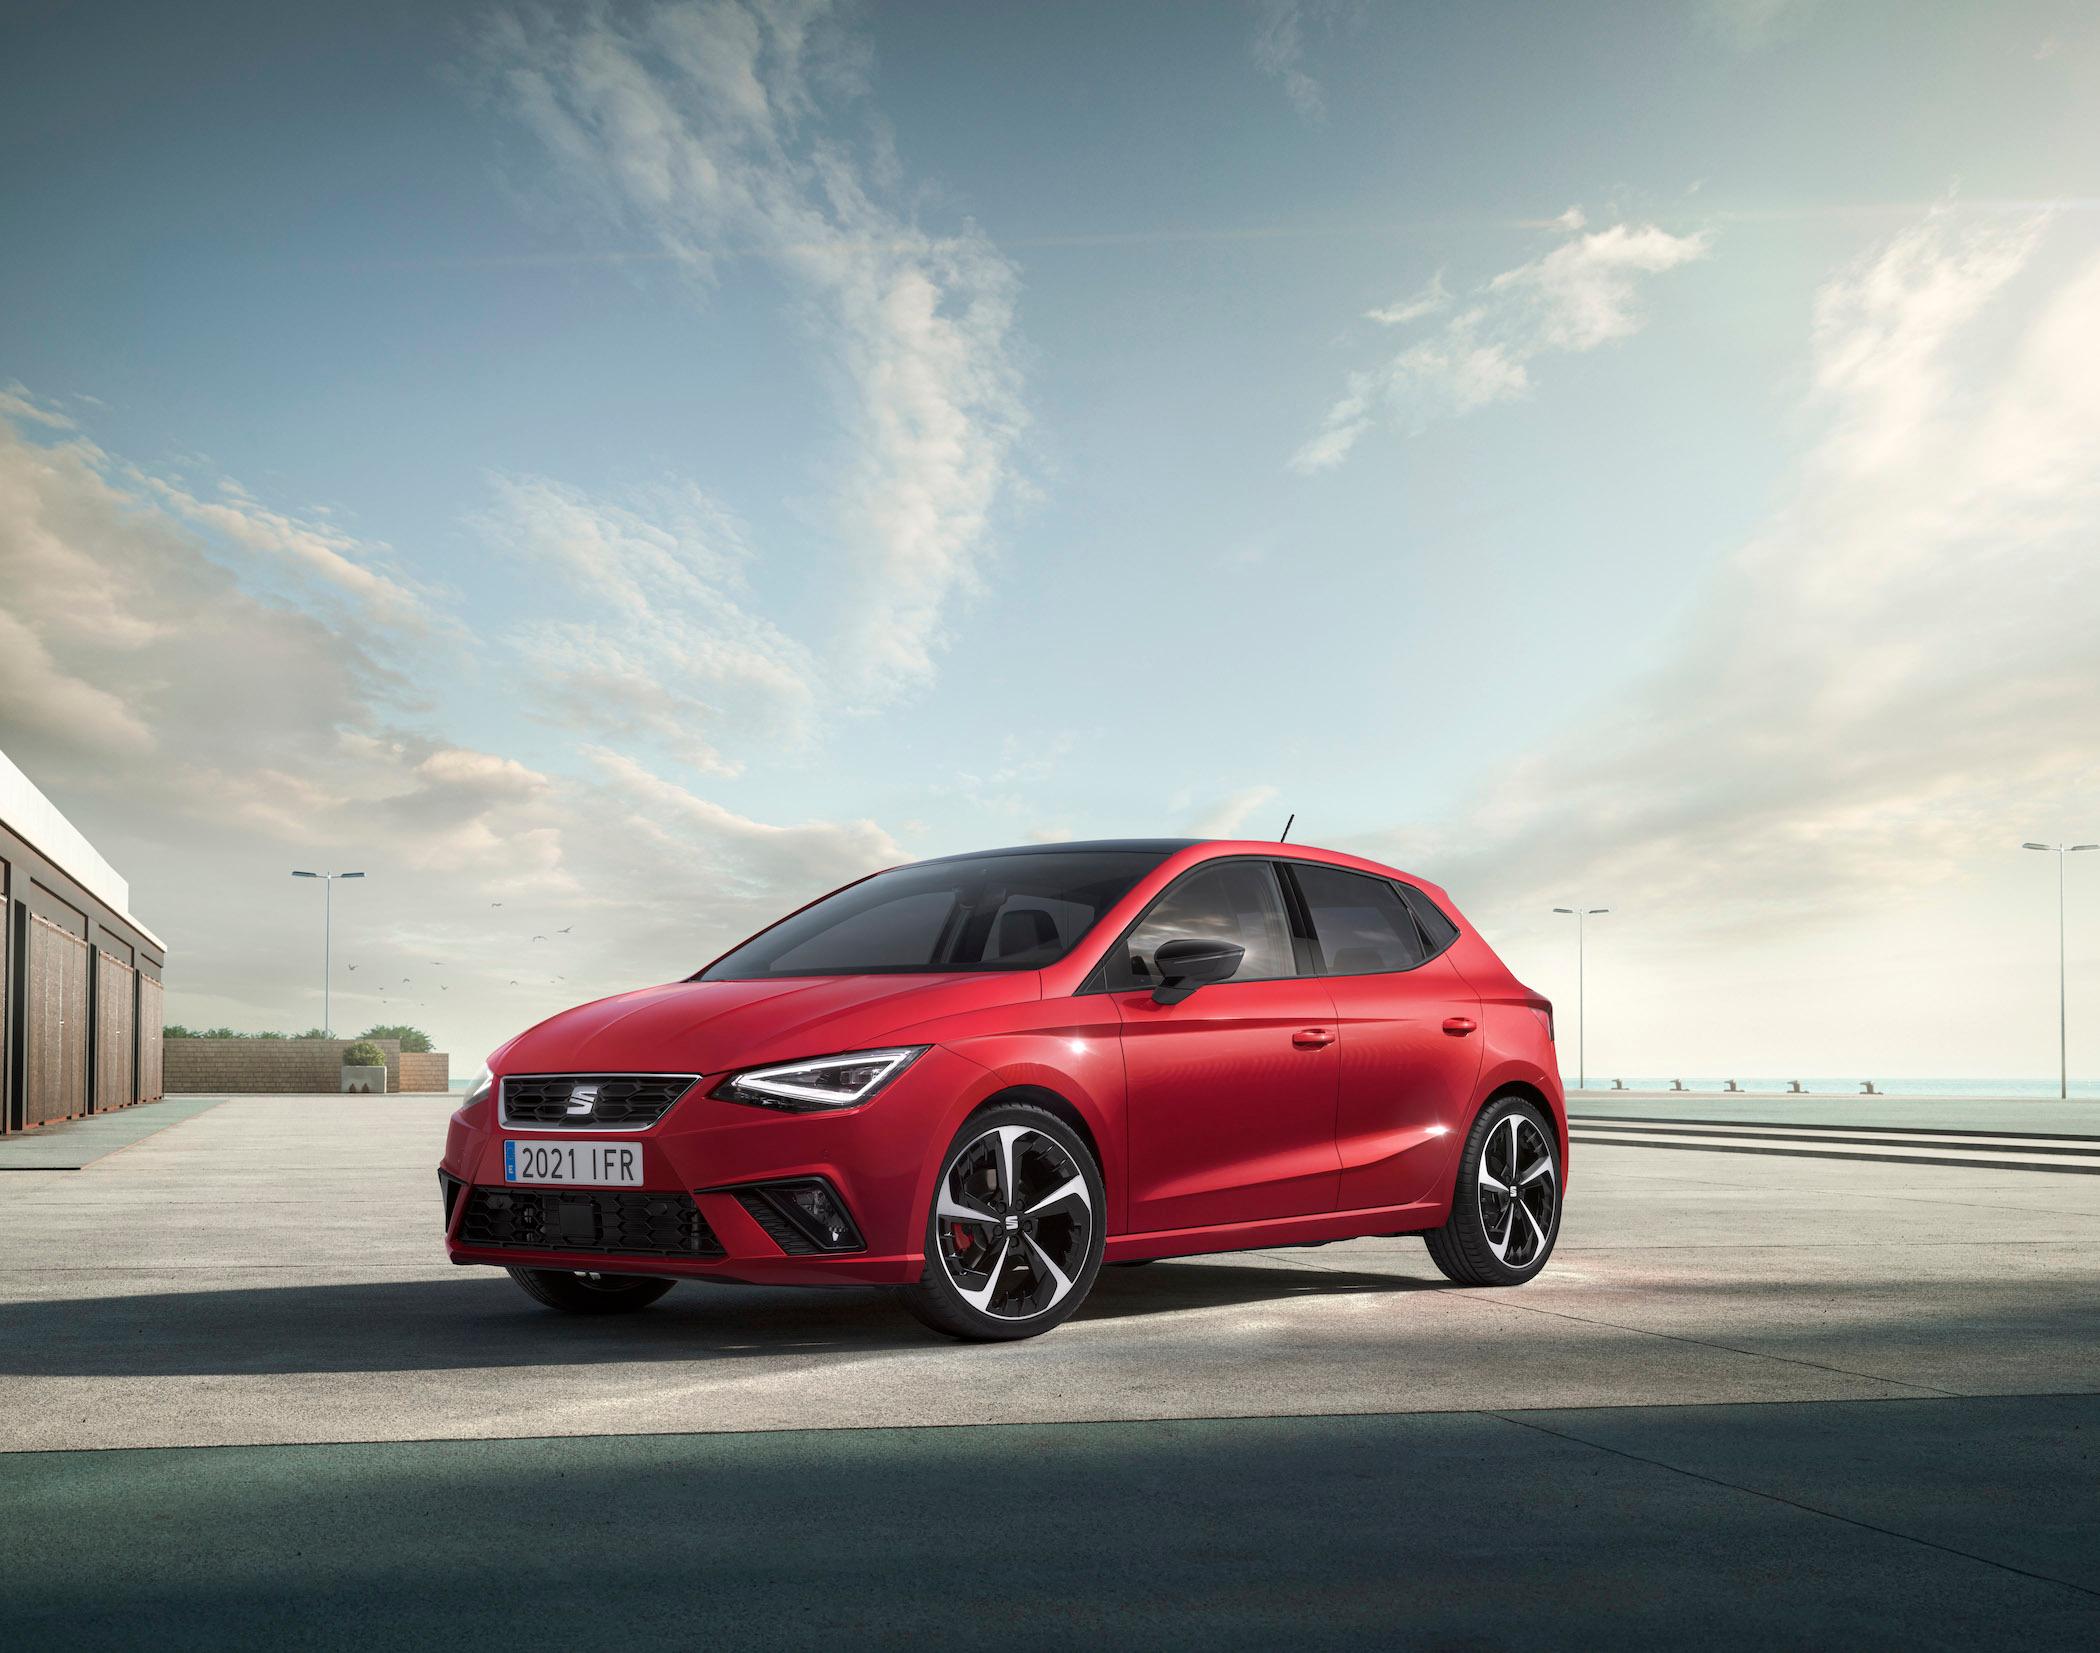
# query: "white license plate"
{"points": [[614, 1164]]}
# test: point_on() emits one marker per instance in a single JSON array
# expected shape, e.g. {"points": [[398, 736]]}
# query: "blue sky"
{"points": [[640, 464]]}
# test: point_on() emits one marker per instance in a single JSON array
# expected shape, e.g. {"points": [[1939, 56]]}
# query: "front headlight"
{"points": [[821, 1082], [479, 1089]]}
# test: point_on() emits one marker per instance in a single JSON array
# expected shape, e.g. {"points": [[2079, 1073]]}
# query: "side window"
{"points": [[1439, 930], [1237, 901], [1362, 924]]}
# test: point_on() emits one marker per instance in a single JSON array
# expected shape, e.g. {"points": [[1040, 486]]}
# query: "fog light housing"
{"points": [[801, 1215]]}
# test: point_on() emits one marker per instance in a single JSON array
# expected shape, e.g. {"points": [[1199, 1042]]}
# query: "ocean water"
{"points": [[2037, 1089]]}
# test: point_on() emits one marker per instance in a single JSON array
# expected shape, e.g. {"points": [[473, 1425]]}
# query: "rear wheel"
{"points": [[590, 1293], [1505, 1210], [1015, 1236]]}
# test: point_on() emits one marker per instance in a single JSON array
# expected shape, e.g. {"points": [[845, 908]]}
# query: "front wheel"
{"points": [[1018, 1224], [1505, 1210], [590, 1293]]}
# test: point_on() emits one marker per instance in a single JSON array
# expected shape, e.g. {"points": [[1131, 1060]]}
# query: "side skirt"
{"points": [[1316, 1228]]}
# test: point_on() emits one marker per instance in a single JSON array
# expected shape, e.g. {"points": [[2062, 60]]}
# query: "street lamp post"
{"points": [[327, 942], [1582, 1054], [2063, 1019]]}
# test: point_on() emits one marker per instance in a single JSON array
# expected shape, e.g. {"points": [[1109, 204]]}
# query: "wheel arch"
{"points": [[1063, 1109], [1524, 1089]]}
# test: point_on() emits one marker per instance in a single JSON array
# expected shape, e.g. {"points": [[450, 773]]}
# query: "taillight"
{"points": [[1545, 1016]]}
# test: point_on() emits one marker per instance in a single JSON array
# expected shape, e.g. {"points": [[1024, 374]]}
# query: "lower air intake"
{"points": [[614, 1224]]}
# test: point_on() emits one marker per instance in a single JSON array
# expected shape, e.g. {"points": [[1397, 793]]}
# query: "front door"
{"points": [[1231, 1091]]}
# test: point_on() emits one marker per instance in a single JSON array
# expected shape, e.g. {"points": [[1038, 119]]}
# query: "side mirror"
{"points": [[1185, 966]]}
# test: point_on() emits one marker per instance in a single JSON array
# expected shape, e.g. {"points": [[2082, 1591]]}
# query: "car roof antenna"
{"points": [[1284, 835]]}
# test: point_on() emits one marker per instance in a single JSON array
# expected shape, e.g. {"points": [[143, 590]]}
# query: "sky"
{"points": [[612, 472]]}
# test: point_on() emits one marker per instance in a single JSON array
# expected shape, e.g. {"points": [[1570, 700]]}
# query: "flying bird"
{"points": [[495, 903], [514, 981], [353, 967], [565, 929], [539, 938]]}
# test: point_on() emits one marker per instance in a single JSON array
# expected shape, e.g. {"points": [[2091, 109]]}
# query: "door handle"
{"points": [[1312, 1038], [1460, 1025]]}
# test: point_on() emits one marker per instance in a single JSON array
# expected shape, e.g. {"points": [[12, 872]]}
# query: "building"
{"points": [[80, 978]]}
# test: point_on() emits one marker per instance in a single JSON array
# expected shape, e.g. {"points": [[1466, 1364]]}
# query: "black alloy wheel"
{"points": [[587, 1293], [1015, 1236], [1505, 1208]]}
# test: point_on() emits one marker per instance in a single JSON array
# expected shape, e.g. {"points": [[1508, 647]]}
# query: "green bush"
{"points": [[414, 1041], [364, 1054]]}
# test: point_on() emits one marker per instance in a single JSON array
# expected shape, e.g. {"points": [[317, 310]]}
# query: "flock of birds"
{"points": [[439, 964]]}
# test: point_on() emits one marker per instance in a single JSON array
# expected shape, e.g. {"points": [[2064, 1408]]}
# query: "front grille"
{"points": [[626, 1222], [591, 1101]]}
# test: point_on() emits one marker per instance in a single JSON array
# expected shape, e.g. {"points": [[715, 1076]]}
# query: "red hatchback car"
{"points": [[978, 1079]]}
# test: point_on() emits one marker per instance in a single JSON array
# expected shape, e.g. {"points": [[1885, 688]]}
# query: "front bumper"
{"points": [[694, 1216]]}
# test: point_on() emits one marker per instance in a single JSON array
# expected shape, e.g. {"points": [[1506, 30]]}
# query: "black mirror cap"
{"points": [[1186, 965]]}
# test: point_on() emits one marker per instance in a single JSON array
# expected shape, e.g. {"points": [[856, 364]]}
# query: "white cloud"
{"points": [[1278, 50], [209, 734], [1427, 300], [653, 644], [1225, 819], [1900, 666], [1577, 296], [317, 550], [706, 126]]}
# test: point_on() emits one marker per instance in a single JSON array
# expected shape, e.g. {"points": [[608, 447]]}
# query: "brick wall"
{"points": [[430, 1071], [267, 1066]]}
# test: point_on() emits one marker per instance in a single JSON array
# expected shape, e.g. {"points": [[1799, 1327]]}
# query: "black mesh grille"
{"points": [[783, 1233], [625, 1222], [449, 1186], [617, 1101]]}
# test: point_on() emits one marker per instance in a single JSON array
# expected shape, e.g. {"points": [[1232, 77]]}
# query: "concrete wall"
{"points": [[430, 1071], [267, 1066]]}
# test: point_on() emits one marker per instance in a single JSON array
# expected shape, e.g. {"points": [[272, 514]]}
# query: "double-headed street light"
{"points": [[327, 940], [1582, 1055], [2063, 1041]]}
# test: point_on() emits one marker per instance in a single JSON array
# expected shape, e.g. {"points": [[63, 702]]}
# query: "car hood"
{"points": [[712, 1027]]}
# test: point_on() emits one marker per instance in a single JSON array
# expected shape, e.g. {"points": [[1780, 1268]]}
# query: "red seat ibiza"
{"points": [[978, 1079]]}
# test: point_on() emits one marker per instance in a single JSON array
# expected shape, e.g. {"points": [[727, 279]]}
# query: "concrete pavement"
{"points": [[1773, 1398]]}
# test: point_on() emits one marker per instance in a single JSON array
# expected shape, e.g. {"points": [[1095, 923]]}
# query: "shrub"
{"points": [[414, 1041], [364, 1054]]}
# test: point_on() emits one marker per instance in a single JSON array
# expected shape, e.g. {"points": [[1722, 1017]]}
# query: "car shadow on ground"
{"points": [[480, 1319]]}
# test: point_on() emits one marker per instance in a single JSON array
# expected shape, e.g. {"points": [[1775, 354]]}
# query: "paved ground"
{"points": [[1756, 1398]]}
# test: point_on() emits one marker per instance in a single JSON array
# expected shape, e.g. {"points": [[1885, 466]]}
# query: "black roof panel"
{"points": [[1161, 847]]}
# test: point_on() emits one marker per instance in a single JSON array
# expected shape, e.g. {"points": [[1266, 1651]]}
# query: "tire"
{"points": [[590, 1293], [1490, 1240], [1016, 1230]]}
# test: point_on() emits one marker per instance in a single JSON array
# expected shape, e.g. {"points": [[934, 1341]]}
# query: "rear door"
{"points": [[1409, 1041], [1232, 1091]]}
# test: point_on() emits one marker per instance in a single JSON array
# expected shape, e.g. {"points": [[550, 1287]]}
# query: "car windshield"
{"points": [[987, 912]]}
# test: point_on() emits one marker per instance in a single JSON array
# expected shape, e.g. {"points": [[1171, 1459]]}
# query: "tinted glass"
{"points": [[1236, 901], [1438, 928], [990, 912], [1362, 924]]}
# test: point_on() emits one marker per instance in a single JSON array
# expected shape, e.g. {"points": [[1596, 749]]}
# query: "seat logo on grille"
{"points": [[582, 1100]]}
